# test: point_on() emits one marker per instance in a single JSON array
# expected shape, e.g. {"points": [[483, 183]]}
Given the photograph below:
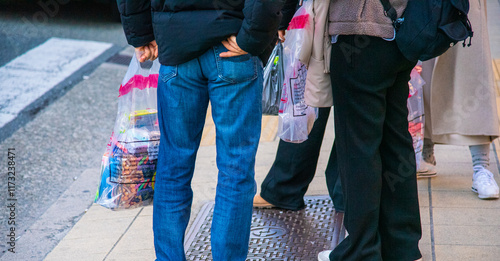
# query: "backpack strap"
{"points": [[390, 12]]}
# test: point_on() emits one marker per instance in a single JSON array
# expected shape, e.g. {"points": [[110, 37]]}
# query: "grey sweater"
{"points": [[362, 17]]}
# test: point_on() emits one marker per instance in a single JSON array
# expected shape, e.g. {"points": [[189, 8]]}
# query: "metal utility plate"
{"points": [[276, 234]]}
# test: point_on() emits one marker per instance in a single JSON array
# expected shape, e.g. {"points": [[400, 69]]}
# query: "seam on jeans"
{"points": [[170, 75]]}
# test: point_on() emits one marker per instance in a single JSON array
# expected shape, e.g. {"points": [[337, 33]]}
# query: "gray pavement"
{"points": [[53, 151], [456, 224]]}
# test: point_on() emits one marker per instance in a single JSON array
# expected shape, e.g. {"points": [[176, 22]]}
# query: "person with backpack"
{"points": [[210, 51], [375, 155], [460, 104]]}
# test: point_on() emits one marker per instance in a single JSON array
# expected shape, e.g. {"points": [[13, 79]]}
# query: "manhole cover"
{"points": [[276, 234]]}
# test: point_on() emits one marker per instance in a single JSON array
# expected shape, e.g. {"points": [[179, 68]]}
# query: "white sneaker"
{"points": [[484, 184], [426, 170], [324, 255]]}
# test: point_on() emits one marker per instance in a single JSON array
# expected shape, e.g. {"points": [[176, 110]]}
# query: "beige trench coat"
{"points": [[460, 104], [315, 54]]}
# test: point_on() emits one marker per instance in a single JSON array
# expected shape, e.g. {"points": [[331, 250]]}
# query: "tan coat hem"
{"points": [[462, 140]]}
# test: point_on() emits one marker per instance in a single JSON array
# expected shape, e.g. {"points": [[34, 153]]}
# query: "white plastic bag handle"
{"points": [[135, 68]]}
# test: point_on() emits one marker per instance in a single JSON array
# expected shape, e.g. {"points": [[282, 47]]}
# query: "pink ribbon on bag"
{"points": [[139, 82], [299, 22]]}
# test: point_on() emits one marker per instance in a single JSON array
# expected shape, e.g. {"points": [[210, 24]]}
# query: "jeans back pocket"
{"points": [[236, 69], [167, 72]]}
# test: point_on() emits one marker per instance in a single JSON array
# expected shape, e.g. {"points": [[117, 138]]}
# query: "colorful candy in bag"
{"points": [[296, 118], [129, 164]]}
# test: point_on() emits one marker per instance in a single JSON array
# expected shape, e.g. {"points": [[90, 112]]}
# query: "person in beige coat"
{"points": [[460, 104]]}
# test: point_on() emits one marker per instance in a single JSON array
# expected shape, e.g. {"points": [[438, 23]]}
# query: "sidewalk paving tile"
{"points": [[483, 235], [466, 253], [77, 256], [146, 211], [447, 180], [466, 217], [423, 185], [423, 196], [139, 238], [425, 216], [426, 250], [95, 234], [426, 235], [461, 200], [142, 254]]}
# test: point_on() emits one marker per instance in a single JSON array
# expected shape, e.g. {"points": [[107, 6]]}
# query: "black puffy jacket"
{"points": [[185, 29]]}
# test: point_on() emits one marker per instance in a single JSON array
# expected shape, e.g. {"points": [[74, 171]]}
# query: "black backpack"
{"points": [[430, 27]]}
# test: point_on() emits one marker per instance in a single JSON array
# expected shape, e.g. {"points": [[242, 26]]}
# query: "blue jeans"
{"points": [[234, 88]]}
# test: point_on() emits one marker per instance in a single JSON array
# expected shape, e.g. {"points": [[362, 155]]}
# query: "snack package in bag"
{"points": [[129, 164], [296, 118], [273, 82], [416, 112]]}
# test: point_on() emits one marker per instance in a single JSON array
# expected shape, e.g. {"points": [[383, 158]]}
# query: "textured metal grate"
{"points": [[276, 234]]}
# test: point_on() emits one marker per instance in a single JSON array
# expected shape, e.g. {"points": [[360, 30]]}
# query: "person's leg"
{"points": [[480, 155], [483, 182], [182, 104], [235, 90], [399, 223], [294, 167], [362, 77], [427, 167], [333, 181], [428, 151], [427, 71]]}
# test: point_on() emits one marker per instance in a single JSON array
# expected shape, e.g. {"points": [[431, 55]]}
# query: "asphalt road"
{"points": [[66, 137], [25, 24]]}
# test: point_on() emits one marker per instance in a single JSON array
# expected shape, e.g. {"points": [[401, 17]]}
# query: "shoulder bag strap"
{"points": [[389, 11]]}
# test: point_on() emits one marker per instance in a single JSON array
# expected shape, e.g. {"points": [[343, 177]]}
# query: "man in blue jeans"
{"points": [[209, 52]]}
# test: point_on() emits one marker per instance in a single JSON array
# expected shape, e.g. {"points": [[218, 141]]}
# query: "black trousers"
{"points": [[295, 166], [375, 156]]}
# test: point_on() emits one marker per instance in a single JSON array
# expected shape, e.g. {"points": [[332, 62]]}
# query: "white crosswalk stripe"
{"points": [[31, 75]]}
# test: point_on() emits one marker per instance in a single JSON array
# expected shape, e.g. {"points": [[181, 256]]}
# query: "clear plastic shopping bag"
{"points": [[416, 115], [129, 164], [273, 82], [296, 118]]}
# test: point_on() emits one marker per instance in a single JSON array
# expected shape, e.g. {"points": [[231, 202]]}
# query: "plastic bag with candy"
{"points": [[129, 164], [416, 118], [296, 118]]}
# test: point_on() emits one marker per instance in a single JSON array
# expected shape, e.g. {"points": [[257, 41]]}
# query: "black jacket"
{"points": [[185, 29], [288, 11]]}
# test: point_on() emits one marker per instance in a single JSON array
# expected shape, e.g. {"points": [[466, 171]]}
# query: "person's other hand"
{"points": [[232, 47], [147, 52], [281, 35]]}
